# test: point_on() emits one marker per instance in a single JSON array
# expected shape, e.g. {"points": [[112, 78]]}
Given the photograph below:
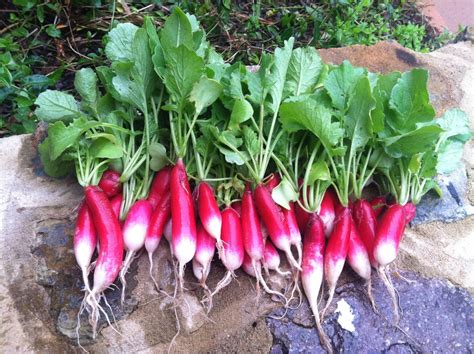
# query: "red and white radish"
{"points": [[159, 186], [159, 218], [378, 204], [313, 271], [336, 251], [116, 203], [109, 261], [233, 246], [183, 219], [205, 249], [387, 240], [253, 238], [209, 212], [365, 221], [110, 183], [85, 241], [275, 222], [327, 211], [135, 230]]}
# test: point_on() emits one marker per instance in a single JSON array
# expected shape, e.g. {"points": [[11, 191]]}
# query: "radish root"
{"points": [[391, 290], [123, 272]]}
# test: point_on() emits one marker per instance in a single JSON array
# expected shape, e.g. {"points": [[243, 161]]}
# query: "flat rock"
{"points": [[436, 317]]}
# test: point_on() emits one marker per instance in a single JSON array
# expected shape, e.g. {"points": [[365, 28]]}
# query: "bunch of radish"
{"points": [[271, 168]]}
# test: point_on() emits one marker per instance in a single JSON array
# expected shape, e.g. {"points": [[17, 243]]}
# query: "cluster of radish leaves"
{"points": [[319, 125]]}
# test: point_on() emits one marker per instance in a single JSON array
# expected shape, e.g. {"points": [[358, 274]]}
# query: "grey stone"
{"points": [[435, 317], [452, 206]]}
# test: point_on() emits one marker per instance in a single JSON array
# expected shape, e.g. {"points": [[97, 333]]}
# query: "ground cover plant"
{"points": [[42, 44], [170, 139]]}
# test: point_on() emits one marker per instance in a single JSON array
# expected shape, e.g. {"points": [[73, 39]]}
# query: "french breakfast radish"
{"points": [[365, 221], [327, 211], [205, 249], [85, 241], [110, 183], [159, 186], [387, 240], [302, 217], [253, 238], [358, 259], [159, 218], [271, 259], [135, 230], [378, 204], [313, 271], [410, 212], [183, 219], [233, 246], [274, 220], [209, 212], [116, 203], [336, 251], [389, 234], [109, 261]]}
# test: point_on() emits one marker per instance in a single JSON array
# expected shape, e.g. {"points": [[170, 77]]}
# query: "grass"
{"points": [[42, 44]]}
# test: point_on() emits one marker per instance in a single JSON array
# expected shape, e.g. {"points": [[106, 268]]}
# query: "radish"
{"points": [[237, 206], [183, 220], [168, 233], [116, 203], [159, 186], [233, 246], [410, 211], [253, 238], [271, 259], [110, 183], [250, 267], [366, 223], [388, 235], [108, 263], [274, 220], [205, 249], [209, 212], [327, 211], [387, 240], [336, 251], [357, 256], [302, 216], [313, 270], [378, 204], [272, 181], [135, 230], [159, 218], [295, 234], [358, 259], [85, 241]]}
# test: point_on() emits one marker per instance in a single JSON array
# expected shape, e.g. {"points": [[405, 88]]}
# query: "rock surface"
{"points": [[436, 317], [40, 287]]}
